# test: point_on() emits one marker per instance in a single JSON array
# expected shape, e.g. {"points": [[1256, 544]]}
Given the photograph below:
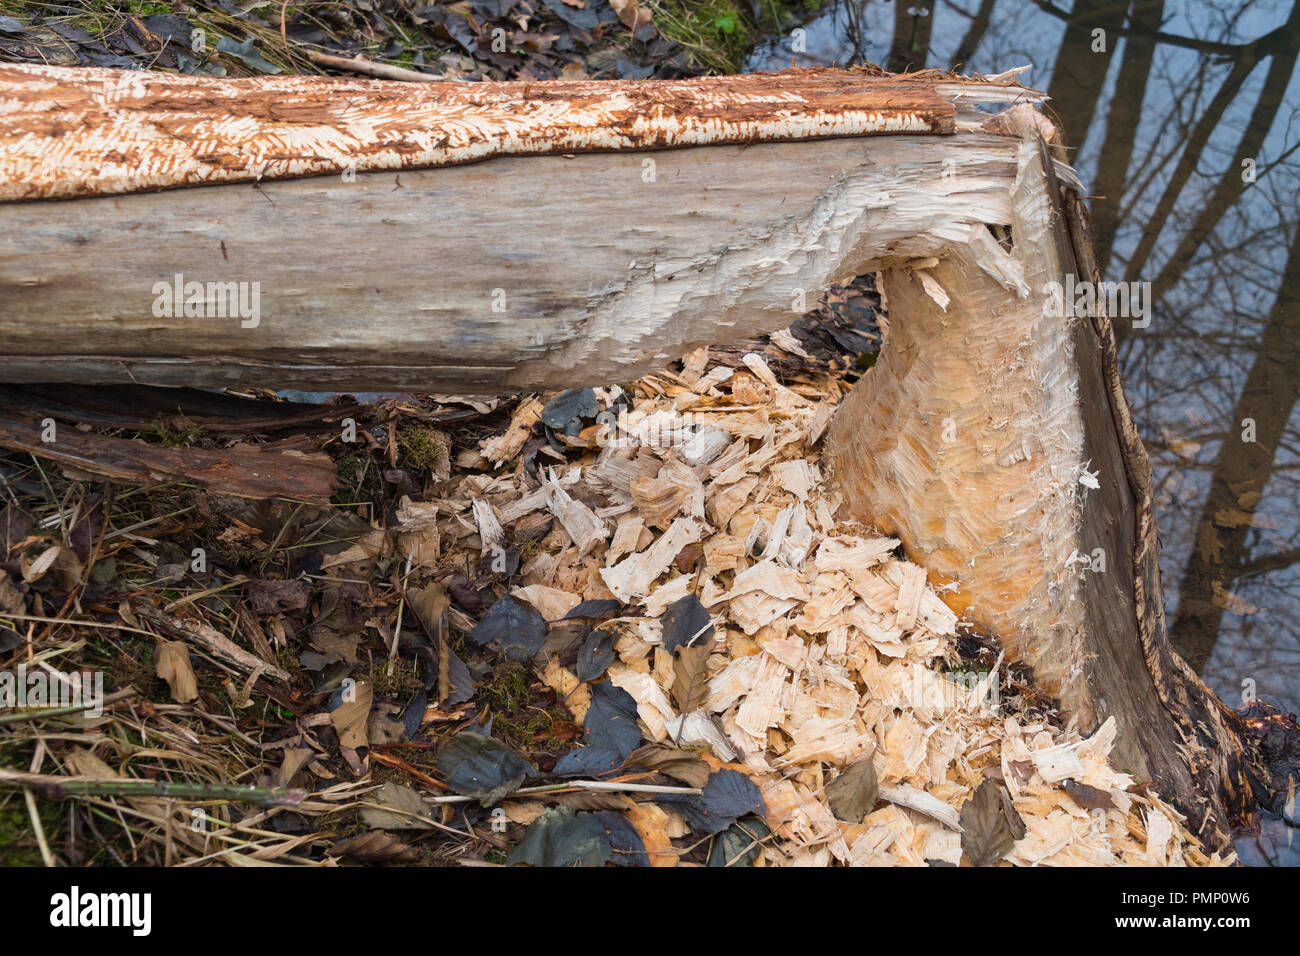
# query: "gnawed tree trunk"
{"points": [[527, 271], [993, 436]]}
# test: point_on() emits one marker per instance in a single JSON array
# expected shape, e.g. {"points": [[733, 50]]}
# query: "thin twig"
{"points": [[600, 785], [60, 787], [381, 70]]}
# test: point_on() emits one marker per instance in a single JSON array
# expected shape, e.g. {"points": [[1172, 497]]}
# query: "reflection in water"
{"points": [[1185, 118]]}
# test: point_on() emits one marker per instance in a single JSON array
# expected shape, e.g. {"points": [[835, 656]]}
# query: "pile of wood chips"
{"points": [[827, 648]]}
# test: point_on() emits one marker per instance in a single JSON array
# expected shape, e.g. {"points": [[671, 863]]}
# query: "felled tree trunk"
{"points": [[549, 264], [337, 234]]}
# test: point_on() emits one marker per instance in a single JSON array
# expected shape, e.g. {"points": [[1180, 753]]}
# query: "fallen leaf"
{"points": [[399, 808], [1090, 798], [560, 837], [739, 844], [687, 622], [515, 629], [596, 654], [173, 666], [852, 795], [377, 846], [631, 13], [691, 677], [351, 717], [482, 768], [986, 833], [681, 765]]}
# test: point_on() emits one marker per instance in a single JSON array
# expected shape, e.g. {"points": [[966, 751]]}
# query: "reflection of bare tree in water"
{"points": [[912, 24], [1124, 118], [1077, 78], [1241, 474], [1222, 346]]}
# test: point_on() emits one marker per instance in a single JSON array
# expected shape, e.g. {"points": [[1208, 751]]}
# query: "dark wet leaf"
{"points": [[314, 661], [515, 629], [595, 609], [1090, 798], [167, 28], [71, 32], [15, 525], [738, 845], [684, 620], [628, 70], [503, 561], [459, 29], [567, 411], [414, 716], [482, 768], [986, 835], [462, 682], [852, 795], [691, 809], [560, 837], [270, 597], [246, 53], [595, 654], [587, 762], [683, 765], [587, 17], [729, 795], [628, 847], [469, 598], [691, 677], [611, 720]]}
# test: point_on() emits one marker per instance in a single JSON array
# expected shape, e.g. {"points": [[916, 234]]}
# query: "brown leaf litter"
{"points": [[818, 664]]}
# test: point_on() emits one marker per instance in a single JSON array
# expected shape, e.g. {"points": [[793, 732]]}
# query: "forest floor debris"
{"points": [[396, 39], [615, 625]]}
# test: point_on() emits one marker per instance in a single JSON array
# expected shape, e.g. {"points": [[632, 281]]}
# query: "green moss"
{"points": [[521, 718], [351, 472], [506, 690], [18, 846], [177, 432], [719, 34], [421, 448], [396, 678]]}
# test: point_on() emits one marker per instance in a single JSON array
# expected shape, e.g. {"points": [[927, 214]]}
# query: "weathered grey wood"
{"points": [[391, 280]]}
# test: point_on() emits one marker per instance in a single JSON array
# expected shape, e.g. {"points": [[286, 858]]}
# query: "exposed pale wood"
{"points": [[389, 281], [969, 439], [76, 132]]}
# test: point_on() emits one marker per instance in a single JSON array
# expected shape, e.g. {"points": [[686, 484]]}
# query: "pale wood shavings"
{"points": [[696, 729], [633, 577], [580, 522], [502, 448], [829, 649], [652, 704]]}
